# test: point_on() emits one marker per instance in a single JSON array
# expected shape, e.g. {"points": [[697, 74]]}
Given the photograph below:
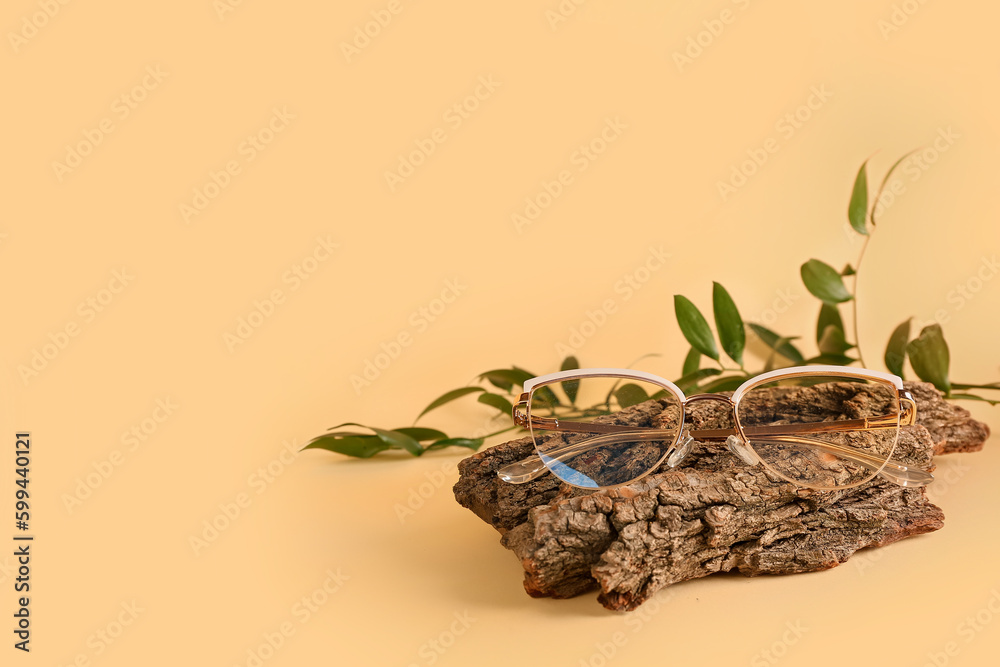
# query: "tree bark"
{"points": [[713, 513]]}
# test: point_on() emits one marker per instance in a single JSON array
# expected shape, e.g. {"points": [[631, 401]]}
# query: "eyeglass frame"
{"points": [[899, 473]]}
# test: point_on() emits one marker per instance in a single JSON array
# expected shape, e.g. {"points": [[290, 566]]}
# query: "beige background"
{"points": [[893, 77]]}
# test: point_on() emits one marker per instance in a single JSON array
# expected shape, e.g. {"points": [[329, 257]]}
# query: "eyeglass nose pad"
{"points": [[682, 450], [736, 445]]}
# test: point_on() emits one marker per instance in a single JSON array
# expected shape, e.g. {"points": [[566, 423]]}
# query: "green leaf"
{"points": [[570, 387], [833, 341], [630, 394], [829, 315], [858, 208], [448, 397], [991, 385], [394, 439], [930, 358], [728, 383], [691, 362], [469, 443], [343, 424], [693, 378], [363, 446], [773, 341], [973, 397], [421, 434], [888, 174], [771, 358], [729, 324], [848, 270], [496, 401], [545, 397], [823, 282], [543, 393], [506, 378], [694, 327], [895, 351], [832, 360], [648, 355]]}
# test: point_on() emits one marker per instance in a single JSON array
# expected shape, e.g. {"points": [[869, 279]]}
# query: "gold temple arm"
{"points": [[895, 471], [899, 473]]}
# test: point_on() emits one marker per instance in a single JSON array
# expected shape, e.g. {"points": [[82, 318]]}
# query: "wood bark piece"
{"points": [[711, 514], [951, 426]]}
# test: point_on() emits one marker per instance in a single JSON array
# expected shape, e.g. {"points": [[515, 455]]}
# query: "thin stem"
{"points": [[854, 299], [504, 430], [962, 385]]}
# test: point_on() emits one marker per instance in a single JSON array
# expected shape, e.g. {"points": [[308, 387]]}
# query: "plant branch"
{"points": [[854, 299]]}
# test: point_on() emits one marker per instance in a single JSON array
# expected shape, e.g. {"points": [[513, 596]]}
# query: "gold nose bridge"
{"points": [[684, 438], [712, 397], [735, 442], [715, 397]]}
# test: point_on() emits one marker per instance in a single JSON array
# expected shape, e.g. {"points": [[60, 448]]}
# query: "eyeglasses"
{"points": [[821, 427]]}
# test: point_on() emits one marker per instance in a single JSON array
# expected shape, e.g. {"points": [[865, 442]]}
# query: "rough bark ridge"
{"points": [[711, 514]]}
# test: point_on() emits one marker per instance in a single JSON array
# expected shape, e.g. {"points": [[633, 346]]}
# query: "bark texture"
{"points": [[951, 426], [713, 513]]}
